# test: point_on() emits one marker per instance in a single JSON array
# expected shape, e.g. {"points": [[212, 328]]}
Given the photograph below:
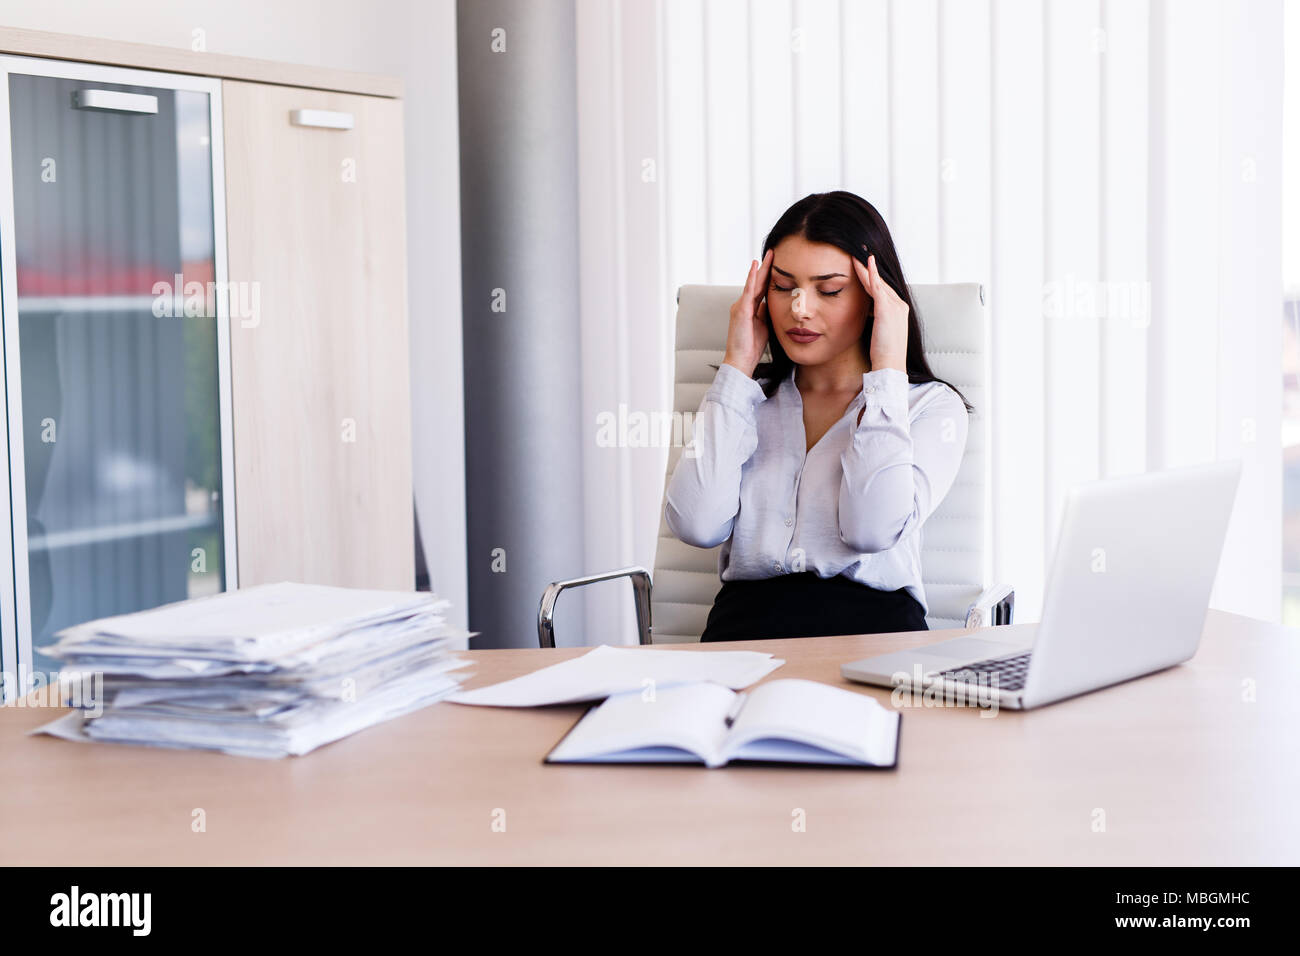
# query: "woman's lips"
{"points": [[802, 336]]}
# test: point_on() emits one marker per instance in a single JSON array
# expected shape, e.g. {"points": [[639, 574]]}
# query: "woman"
{"points": [[816, 471]]}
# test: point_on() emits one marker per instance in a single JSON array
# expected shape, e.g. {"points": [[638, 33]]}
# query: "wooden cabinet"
{"points": [[164, 444], [316, 234]]}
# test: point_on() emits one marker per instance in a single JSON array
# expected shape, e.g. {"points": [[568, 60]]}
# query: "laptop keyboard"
{"points": [[1004, 673]]}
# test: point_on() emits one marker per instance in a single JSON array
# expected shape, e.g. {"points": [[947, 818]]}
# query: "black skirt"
{"points": [[806, 605]]}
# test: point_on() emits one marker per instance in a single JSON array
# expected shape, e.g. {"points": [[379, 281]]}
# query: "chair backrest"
{"points": [[955, 551]]}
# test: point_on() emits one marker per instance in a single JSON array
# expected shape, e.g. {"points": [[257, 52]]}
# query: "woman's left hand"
{"points": [[889, 319]]}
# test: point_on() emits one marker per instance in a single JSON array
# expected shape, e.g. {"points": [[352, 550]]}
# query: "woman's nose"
{"points": [[799, 305]]}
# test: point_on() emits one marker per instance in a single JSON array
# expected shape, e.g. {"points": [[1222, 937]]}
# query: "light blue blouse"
{"points": [[854, 504]]}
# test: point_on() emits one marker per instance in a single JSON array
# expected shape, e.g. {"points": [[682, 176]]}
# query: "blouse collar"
{"points": [[791, 389]]}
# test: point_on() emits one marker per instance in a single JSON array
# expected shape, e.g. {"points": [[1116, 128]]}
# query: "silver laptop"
{"points": [[1127, 595]]}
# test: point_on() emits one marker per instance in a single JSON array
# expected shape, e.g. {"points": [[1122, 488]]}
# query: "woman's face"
{"points": [[814, 288]]}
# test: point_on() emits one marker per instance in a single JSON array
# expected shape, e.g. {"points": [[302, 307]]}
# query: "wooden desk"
{"points": [[1184, 769]]}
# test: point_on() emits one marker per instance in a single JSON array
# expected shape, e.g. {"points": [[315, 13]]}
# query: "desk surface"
{"points": [[1183, 767]]}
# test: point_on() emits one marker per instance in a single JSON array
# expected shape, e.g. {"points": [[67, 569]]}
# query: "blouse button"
{"points": [[788, 522], [871, 388], [777, 567]]}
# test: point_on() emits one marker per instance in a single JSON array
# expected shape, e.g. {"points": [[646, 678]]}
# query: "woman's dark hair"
{"points": [[847, 221]]}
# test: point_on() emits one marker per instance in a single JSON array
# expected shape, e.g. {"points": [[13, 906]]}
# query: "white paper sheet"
{"points": [[606, 670], [66, 727]]}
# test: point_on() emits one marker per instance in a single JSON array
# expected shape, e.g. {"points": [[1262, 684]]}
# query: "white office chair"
{"points": [[955, 543]]}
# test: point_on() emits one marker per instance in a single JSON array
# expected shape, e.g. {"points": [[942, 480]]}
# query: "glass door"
{"points": [[112, 270]]}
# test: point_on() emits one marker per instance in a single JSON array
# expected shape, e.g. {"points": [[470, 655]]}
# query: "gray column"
{"points": [[519, 245]]}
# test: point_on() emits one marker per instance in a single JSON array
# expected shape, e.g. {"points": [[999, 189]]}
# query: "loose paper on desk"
{"points": [[606, 670]]}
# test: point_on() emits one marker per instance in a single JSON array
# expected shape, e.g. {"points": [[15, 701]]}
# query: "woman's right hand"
{"points": [[747, 333]]}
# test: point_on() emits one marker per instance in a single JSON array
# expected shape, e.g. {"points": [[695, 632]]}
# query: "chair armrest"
{"points": [[995, 606], [641, 584]]}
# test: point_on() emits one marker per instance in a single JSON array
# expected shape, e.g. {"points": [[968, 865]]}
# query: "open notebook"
{"points": [[780, 721]]}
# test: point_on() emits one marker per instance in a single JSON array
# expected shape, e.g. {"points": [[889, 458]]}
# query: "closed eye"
{"points": [[781, 288]]}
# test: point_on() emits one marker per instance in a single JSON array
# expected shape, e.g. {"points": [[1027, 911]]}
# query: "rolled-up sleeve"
{"points": [[703, 494], [896, 470]]}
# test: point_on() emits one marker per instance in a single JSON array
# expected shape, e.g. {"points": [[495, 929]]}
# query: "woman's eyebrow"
{"points": [[829, 275]]}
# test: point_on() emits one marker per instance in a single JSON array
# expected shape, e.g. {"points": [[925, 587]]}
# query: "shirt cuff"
{"points": [[734, 389], [885, 388]]}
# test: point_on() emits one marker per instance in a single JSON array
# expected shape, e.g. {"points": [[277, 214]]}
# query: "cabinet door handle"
{"points": [[321, 119], [114, 101]]}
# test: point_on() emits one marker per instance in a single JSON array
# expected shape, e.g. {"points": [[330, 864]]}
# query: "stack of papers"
{"points": [[265, 671]]}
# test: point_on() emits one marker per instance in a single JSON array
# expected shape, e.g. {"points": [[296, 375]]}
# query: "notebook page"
{"points": [[689, 716], [840, 721], [791, 751]]}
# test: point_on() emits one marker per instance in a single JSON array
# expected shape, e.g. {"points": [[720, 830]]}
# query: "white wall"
{"points": [[1043, 148], [412, 39]]}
